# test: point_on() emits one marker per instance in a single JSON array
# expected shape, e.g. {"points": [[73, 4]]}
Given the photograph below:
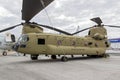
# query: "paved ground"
{"points": [[14, 67]]}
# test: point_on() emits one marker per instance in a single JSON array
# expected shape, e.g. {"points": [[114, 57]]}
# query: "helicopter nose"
{"points": [[15, 47]]}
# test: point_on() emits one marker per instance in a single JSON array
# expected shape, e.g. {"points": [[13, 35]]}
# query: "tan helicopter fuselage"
{"points": [[55, 44]]}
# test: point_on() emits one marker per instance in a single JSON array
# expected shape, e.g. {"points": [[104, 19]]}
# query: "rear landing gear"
{"points": [[34, 57], [64, 59], [97, 56], [106, 55]]}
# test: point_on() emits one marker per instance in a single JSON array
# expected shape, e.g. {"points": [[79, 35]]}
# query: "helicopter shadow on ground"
{"points": [[47, 61]]}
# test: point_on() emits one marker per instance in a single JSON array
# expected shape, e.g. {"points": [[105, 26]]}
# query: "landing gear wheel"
{"points": [[53, 57], [92, 56], [64, 59], [34, 57], [24, 54], [88, 55], [4, 53], [83, 55], [106, 55], [72, 56]]}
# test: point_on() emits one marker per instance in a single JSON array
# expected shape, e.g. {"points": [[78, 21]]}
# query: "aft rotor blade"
{"points": [[97, 20], [31, 7], [6, 29], [81, 30], [55, 29], [112, 26]]}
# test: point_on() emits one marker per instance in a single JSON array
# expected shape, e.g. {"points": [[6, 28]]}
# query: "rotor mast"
{"points": [[29, 9]]}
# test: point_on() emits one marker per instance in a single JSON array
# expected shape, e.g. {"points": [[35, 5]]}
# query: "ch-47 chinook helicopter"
{"points": [[35, 42]]}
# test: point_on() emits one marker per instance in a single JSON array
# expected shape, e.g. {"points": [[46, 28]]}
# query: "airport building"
{"points": [[115, 45]]}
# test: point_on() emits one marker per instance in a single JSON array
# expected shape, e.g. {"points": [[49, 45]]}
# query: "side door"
{"points": [[41, 44]]}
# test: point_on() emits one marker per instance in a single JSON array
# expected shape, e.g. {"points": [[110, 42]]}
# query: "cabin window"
{"points": [[106, 42], [90, 43], [89, 33], [13, 38], [41, 41]]}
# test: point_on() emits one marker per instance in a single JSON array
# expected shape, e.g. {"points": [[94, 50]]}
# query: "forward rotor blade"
{"points": [[81, 30], [10, 28], [55, 29], [32, 7], [112, 26]]}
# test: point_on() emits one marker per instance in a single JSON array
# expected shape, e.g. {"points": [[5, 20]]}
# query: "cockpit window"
{"points": [[24, 38]]}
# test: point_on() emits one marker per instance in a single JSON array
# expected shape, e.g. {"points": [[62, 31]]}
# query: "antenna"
{"points": [[43, 4]]}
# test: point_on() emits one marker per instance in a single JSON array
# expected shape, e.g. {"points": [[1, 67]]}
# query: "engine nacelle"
{"points": [[98, 36]]}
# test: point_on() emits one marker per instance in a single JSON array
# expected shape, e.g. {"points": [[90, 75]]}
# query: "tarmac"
{"points": [[18, 67]]}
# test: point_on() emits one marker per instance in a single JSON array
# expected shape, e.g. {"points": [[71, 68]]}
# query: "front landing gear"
{"points": [[34, 57], [4, 53]]}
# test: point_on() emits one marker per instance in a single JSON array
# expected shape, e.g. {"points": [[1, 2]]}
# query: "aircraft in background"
{"points": [[6, 43]]}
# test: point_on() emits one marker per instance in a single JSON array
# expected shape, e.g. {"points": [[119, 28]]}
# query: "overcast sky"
{"points": [[65, 15]]}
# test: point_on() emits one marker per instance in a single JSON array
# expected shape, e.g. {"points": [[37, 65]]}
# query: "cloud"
{"points": [[57, 4], [66, 14], [5, 13]]}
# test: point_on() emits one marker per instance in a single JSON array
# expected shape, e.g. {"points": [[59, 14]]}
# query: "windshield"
{"points": [[24, 38]]}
